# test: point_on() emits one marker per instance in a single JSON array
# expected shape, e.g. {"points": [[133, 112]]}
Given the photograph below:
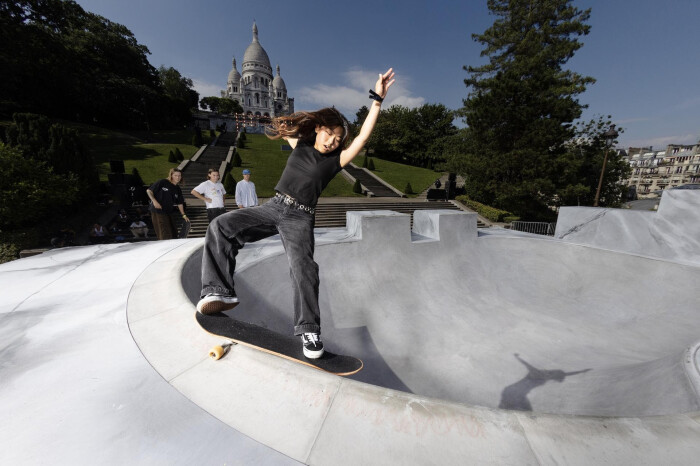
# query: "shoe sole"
{"points": [[313, 354], [213, 307]]}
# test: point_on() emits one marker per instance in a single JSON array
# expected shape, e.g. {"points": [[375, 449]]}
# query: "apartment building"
{"points": [[654, 171]]}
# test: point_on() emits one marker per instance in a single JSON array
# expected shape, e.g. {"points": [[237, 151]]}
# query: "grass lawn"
{"points": [[398, 175], [146, 151]]}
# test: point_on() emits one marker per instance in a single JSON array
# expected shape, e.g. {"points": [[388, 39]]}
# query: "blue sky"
{"points": [[644, 54]]}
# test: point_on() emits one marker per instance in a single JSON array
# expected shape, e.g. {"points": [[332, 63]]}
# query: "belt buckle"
{"points": [[288, 200]]}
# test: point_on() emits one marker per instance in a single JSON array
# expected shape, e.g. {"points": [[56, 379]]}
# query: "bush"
{"points": [[370, 165], [490, 213], [242, 136], [357, 187], [241, 143], [229, 183], [212, 134], [171, 157], [408, 189], [178, 155], [236, 160], [510, 219], [364, 162]]}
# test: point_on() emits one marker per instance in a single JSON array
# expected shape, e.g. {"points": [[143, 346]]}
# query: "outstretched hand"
{"points": [[384, 82]]}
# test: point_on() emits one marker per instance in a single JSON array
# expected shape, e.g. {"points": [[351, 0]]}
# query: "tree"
{"points": [[30, 190], [581, 164], [522, 103]]}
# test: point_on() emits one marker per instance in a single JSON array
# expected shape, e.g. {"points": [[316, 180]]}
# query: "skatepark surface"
{"points": [[489, 347]]}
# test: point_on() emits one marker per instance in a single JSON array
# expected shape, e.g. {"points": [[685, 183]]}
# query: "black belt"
{"points": [[289, 200]]}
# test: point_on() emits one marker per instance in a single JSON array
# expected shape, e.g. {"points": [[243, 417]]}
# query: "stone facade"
{"points": [[261, 95], [654, 171]]}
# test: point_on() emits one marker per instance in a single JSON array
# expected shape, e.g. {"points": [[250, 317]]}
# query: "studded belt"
{"points": [[289, 200]]}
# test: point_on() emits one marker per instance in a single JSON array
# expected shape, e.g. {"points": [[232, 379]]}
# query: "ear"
{"points": [[318, 128]]}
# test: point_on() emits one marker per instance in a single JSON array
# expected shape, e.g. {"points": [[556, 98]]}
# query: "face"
{"points": [[214, 177], [328, 139], [176, 177]]}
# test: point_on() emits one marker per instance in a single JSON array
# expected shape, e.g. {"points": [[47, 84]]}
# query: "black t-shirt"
{"points": [[308, 172], [168, 196]]}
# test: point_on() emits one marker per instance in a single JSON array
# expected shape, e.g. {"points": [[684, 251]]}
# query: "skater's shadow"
{"points": [[515, 396]]}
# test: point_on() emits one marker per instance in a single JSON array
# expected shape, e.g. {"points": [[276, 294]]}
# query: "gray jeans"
{"points": [[229, 232]]}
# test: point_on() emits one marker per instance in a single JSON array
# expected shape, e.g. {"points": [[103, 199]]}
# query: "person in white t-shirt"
{"points": [[212, 192], [245, 192]]}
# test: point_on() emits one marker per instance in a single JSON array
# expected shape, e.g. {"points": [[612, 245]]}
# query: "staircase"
{"points": [[370, 182]]}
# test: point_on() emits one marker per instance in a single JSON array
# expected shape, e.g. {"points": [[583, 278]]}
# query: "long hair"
{"points": [[302, 125]]}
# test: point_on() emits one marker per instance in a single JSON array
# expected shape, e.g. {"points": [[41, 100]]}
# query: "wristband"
{"points": [[374, 96]]}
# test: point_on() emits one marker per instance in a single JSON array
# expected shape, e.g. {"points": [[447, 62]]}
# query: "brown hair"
{"points": [[302, 125]]}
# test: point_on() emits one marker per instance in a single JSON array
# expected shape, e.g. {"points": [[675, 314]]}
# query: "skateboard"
{"points": [[262, 339], [184, 229]]}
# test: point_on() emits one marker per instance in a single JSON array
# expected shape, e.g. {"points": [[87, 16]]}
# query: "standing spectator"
{"points": [[138, 227], [165, 196], [245, 192], [212, 192]]}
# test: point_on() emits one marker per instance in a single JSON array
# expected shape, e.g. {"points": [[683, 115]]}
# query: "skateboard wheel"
{"points": [[217, 352]]}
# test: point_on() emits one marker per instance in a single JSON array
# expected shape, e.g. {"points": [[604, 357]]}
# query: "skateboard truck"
{"points": [[220, 350]]}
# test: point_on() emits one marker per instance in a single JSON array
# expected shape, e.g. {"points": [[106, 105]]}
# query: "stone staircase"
{"points": [[370, 182]]}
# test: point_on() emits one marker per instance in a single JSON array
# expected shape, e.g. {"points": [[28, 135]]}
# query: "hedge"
{"points": [[490, 213]]}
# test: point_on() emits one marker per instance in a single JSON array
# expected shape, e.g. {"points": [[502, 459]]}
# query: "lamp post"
{"points": [[609, 136]]}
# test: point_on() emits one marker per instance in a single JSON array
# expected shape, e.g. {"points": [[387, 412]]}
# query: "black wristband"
{"points": [[374, 96]]}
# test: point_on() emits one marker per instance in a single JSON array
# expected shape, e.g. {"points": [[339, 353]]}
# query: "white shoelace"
{"points": [[312, 337]]}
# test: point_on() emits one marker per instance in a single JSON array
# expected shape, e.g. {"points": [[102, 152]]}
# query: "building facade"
{"points": [[261, 94], [654, 171]]}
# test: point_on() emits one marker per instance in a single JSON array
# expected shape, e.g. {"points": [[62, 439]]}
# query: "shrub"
{"points": [[178, 155], [241, 143], [511, 219], [364, 162], [229, 183], [171, 157], [357, 187], [242, 136], [212, 134], [490, 213], [197, 139], [370, 165], [236, 160], [408, 189]]}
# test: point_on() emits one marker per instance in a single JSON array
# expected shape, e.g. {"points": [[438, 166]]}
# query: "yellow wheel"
{"points": [[217, 352]]}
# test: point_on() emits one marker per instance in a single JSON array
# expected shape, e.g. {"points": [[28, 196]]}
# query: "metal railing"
{"points": [[538, 228]]}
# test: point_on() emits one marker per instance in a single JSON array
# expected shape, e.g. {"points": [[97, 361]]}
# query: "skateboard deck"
{"points": [[285, 346], [184, 229]]}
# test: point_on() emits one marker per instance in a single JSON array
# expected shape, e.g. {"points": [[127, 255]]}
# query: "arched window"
{"points": [[257, 99]]}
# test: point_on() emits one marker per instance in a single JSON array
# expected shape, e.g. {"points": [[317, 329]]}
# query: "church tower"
{"points": [[254, 88]]}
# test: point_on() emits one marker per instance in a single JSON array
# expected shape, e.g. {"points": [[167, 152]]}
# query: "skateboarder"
{"points": [[319, 141]]}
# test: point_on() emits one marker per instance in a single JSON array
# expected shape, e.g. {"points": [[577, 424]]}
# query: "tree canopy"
{"points": [[59, 60], [521, 106]]}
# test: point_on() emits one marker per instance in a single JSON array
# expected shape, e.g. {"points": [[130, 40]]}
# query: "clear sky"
{"points": [[644, 54]]}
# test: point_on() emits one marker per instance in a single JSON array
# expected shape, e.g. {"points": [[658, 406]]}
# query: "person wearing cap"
{"points": [[245, 192]]}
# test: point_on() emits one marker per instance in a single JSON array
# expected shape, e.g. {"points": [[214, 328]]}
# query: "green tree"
{"points": [[522, 103], [30, 190], [581, 164]]}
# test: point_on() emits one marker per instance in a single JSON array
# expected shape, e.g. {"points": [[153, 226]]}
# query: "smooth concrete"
{"points": [[479, 347], [671, 232]]}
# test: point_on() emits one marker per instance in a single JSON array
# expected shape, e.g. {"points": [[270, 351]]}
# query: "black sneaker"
{"points": [[313, 346], [213, 303]]}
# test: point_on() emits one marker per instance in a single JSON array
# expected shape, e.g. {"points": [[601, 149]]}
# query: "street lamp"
{"points": [[609, 136]]}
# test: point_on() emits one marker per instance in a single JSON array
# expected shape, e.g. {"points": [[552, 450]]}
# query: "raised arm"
{"points": [[383, 84]]}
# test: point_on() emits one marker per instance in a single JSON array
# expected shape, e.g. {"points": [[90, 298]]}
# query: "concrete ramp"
{"points": [[521, 323]]}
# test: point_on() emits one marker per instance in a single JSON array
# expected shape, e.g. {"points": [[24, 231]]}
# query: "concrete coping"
{"points": [[318, 418]]}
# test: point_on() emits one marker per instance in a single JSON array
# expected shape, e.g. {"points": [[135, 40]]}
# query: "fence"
{"points": [[538, 228]]}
